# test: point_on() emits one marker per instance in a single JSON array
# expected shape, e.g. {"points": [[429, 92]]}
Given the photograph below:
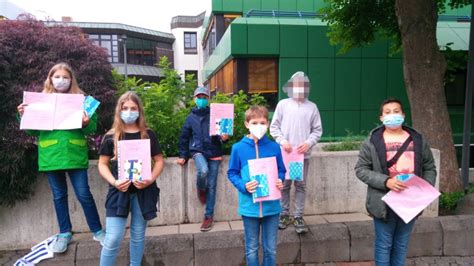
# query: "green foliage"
{"points": [[166, 103], [456, 62], [349, 143], [360, 22], [450, 200], [241, 102]]}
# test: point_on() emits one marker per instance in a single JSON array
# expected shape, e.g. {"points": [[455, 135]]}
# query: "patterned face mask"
{"points": [[297, 86]]}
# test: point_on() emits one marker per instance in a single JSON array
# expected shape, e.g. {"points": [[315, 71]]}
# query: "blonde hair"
{"points": [[48, 84], [256, 111], [117, 129]]}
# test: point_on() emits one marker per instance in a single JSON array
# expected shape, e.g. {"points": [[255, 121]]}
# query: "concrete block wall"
{"points": [[332, 187], [324, 243]]}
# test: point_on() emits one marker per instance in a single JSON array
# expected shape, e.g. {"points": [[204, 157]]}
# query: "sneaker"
{"points": [[60, 245], [207, 224], [284, 222], [300, 226], [99, 236], [201, 193]]}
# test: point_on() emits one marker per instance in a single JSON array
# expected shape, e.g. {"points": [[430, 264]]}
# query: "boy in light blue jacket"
{"points": [[260, 216]]}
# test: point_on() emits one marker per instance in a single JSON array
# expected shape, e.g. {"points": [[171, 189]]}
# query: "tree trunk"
{"points": [[424, 67]]}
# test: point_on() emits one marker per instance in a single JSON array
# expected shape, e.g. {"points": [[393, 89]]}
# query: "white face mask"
{"points": [[258, 130], [61, 84]]}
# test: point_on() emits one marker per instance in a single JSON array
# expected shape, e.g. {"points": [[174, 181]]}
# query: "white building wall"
{"points": [[183, 62]]}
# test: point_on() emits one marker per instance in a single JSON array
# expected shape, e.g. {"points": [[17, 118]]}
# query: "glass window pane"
{"points": [[114, 37], [262, 75], [105, 37], [107, 45], [93, 36], [115, 53]]}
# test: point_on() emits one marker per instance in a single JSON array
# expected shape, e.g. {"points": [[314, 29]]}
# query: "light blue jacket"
{"points": [[238, 174]]}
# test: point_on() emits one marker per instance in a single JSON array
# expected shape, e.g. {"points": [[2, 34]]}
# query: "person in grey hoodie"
{"points": [[296, 124]]}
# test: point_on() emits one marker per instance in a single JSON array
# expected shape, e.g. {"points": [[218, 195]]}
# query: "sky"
{"points": [[151, 14]]}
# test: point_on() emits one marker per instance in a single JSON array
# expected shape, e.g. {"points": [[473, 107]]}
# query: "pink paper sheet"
{"points": [[293, 156], [49, 111], [219, 111], [137, 151], [411, 201], [269, 167]]}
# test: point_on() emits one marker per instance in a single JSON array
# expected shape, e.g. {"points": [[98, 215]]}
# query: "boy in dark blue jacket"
{"points": [[261, 216], [206, 151]]}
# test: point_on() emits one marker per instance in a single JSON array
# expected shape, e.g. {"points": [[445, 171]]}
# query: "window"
{"points": [[191, 72], [105, 42], [262, 75], [190, 43]]}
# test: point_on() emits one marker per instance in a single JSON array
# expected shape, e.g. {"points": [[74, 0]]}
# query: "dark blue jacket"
{"points": [[194, 137], [239, 175]]}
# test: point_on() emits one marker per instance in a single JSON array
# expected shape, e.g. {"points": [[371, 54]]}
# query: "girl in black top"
{"points": [[124, 196]]}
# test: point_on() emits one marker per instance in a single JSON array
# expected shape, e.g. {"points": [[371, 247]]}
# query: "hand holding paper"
{"points": [[410, 202]]}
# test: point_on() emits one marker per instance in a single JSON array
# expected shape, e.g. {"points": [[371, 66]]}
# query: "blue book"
{"points": [[404, 177], [263, 190], [296, 171], [90, 105]]}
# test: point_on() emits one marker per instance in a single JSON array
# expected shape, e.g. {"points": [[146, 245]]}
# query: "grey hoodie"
{"points": [[297, 123]]}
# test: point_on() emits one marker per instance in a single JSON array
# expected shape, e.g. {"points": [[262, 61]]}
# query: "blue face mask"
{"points": [[393, 120], [129, 117], [201, 102]]}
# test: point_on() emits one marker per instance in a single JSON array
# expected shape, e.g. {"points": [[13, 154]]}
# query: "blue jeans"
{"points": [[391, 240], [78, 177], [269, 227], [115, 228], [207, 171]]}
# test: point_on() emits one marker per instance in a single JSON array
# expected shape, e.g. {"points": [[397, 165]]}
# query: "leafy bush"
{"points": [[168, 103], [28, 50], [450, 200], [349, 143]]}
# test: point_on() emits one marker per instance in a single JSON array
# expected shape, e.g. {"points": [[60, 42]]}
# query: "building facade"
{"points": [[132, 51], [188, 52], [256, 46]]}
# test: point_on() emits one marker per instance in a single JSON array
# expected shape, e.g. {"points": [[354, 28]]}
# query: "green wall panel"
{"points": [[287, 67], [395, 83], [293, 38], [321, 76], [263, 36], [318, 4], [305, 5], [251, 4], [318, 42], [347, 85], [217, 6], [232, 6], [369, 119], [373, 83], [239, 34], [378, 49], [270, 5], [287, 5], [346, 121], [327, 121]]}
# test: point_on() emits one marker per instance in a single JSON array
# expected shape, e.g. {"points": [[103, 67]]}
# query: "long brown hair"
{"points": [[48, 84], [117, 129]]}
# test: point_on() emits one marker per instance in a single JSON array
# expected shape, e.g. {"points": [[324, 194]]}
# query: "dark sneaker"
{"points": [[207, 224], [284, 222], [201, 193], [300, 226]]}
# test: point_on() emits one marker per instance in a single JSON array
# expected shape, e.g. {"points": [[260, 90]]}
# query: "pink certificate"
{"points": [[134, 159], [221, 119], [268, 167], [414, 199], [294, 162], [49, 111]]}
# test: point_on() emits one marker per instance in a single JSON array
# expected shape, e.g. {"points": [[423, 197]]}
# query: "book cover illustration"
{"points": [[263, 189]]}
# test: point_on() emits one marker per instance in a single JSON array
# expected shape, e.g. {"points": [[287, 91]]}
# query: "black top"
{"points": [[118, 203]]}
